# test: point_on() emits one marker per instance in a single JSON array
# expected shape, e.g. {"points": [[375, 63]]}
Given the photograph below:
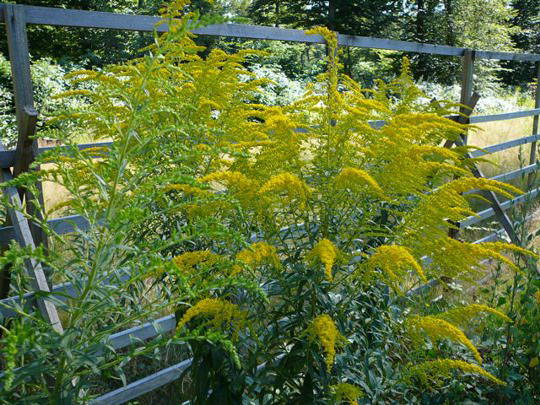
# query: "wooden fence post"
{"points": [[532, 159], [465, 99], [15, 21], [467, 84]]}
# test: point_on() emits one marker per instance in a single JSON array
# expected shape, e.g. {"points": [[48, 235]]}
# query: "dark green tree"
{"points": [[526, 39], [92, 47], [355, 17], [88, 47]]}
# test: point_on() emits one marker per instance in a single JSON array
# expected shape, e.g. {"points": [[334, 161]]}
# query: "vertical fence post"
{"points": [[15, 21], [27, 234], [532, 159], [467, 84]]}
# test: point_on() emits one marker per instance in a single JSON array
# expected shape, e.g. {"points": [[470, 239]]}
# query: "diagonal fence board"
{"points": [[23, 235], [61, 226], [9, 307]]}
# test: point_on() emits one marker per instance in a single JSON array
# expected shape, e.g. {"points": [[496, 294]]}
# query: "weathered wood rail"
{"points": [[12, 162]]}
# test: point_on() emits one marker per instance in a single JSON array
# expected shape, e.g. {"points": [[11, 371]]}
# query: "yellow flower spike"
{"points": [[436, 369], [425, 229], [252, 144], [259, 253], [357, 180], [327, 254], [537, 296], [213, 207], [437, 329], [329, 36], [222, 314], [323, 329], [210, 104], [347, 392], [81, 72], [462, 315], [470, 183], [288, 183], [231, 179], [186, 262], [394, 261], [59, 206], [498, 246], [202, 147], [72, 93]]}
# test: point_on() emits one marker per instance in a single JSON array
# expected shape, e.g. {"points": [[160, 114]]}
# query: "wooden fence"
{"points": [[13, 162]]}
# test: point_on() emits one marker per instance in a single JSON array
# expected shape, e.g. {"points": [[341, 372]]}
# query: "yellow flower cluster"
{"points": [[500, 246], [222, 314], [462, 315], [289, 184], [259, 253], [357, 180], [420, 162], [186, 262], [206, 208], [329, 36], [437, 329], [235, 180], [71, 93], [424, 230], [344, 392], [394, 261], [325, 331], [326, 253], [435, 370]]}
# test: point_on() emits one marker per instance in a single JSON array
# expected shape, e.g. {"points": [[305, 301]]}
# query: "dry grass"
{"points": [[491, 133], [510, 159], [53, 195]]}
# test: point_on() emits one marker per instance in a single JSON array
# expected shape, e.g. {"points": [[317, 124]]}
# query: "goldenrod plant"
{"points": [[284, 239]]}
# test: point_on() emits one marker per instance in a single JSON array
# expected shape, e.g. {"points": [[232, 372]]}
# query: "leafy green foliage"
{"points": [[48, 79]]}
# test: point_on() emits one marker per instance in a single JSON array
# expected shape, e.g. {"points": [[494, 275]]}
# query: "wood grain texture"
{"points": [[19, 59]]}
